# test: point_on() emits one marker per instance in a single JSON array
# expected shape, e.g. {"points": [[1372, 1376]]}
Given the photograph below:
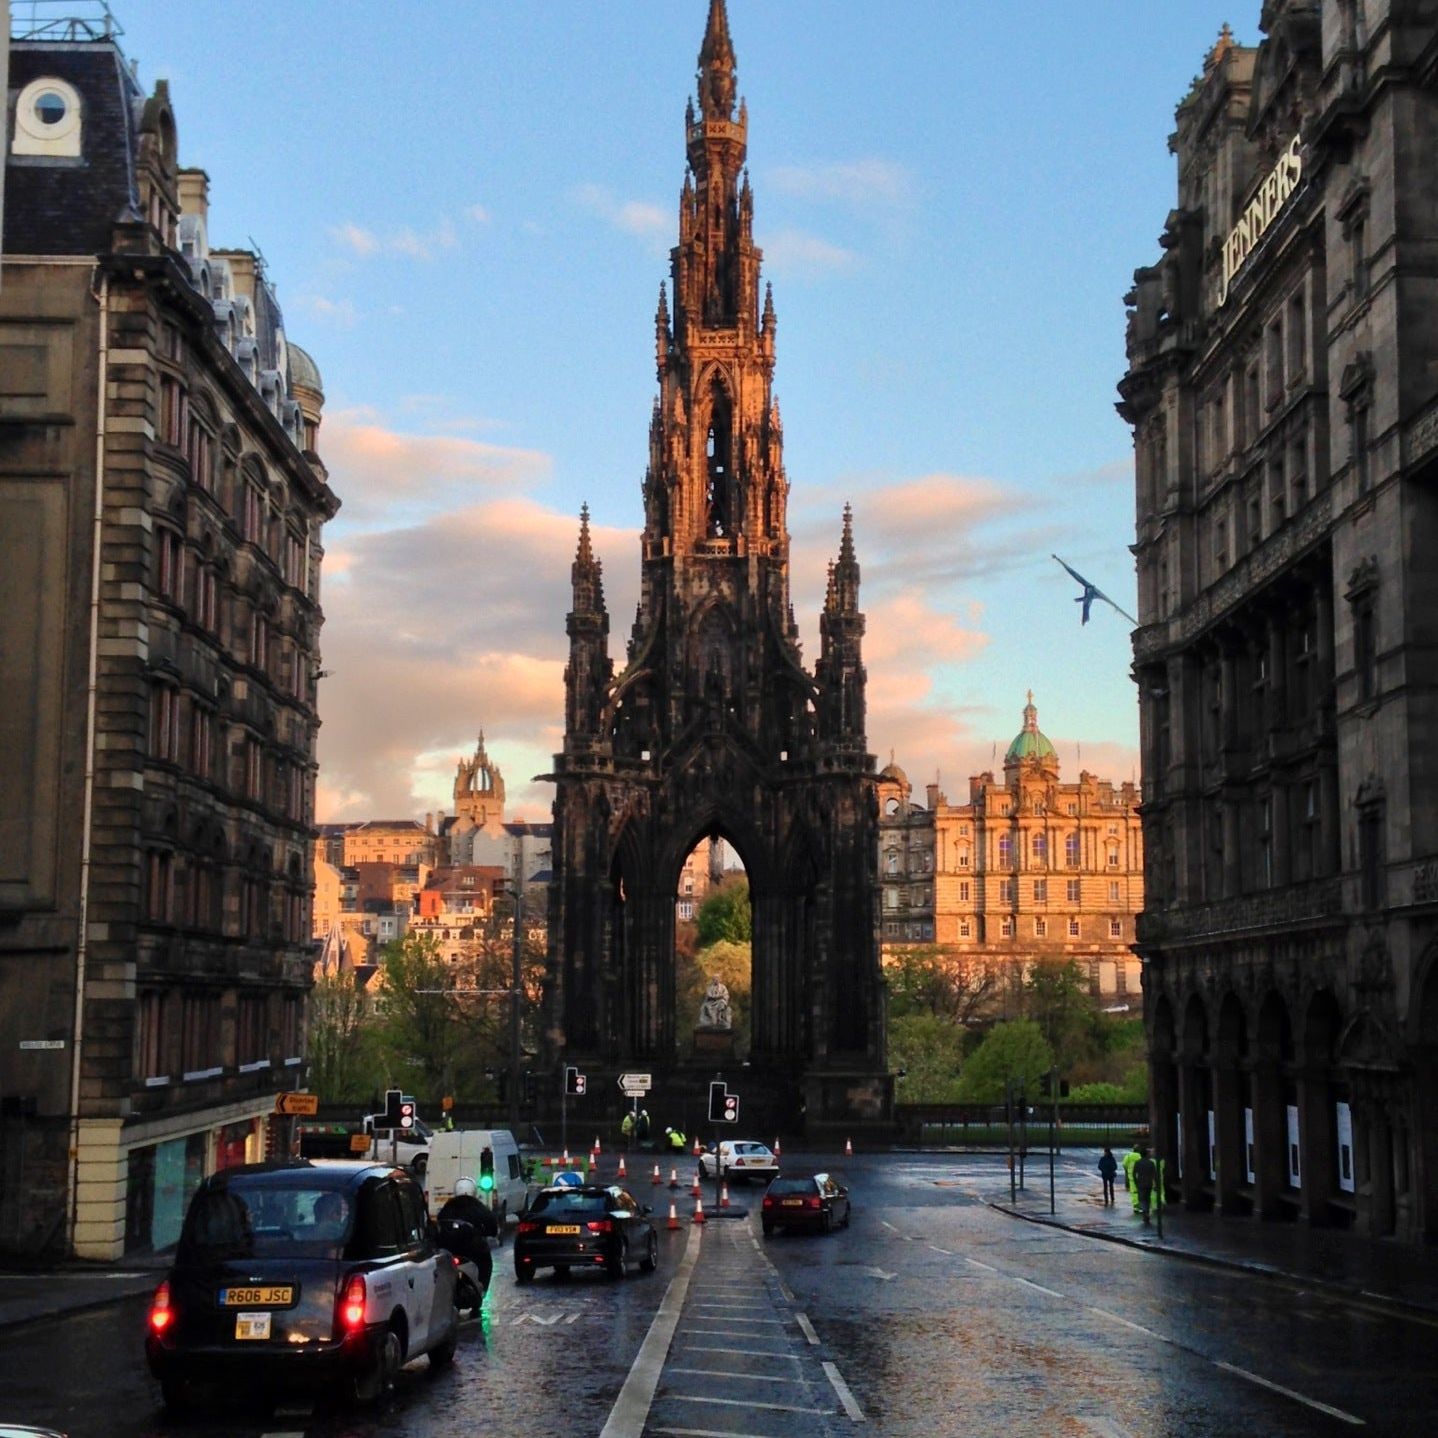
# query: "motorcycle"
{"points": [[474, 1265]]}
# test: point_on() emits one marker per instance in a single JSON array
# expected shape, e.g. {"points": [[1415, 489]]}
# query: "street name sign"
{"points": [[636, 1081]]}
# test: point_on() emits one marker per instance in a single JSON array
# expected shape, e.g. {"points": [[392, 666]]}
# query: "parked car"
{"points": [[584, 1226], [817, 1200], [741, 1158], [293, 1274]]}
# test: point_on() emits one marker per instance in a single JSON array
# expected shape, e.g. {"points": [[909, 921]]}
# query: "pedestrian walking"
{"points": [[641, 1128], [1145, 1175], [626, 1128], [1107, 1170], [1129, 1160]]}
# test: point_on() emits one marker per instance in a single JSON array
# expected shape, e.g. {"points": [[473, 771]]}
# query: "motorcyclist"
{"points": [[466, 1225]]}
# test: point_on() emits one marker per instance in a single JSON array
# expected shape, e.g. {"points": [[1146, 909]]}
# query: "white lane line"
{"points": [[1290, 1393], [744, 1352], [808, 1328], [948, 1253], [741, 1403], [631, 1409], [729, 1373], [734, 1318], [851, 1406], [987, 1267], [889, 1226], [1029, 1283], [1128, 1323]]}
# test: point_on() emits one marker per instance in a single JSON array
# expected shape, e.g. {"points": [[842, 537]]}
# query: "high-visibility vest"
{"points": [[1129, 1159]]}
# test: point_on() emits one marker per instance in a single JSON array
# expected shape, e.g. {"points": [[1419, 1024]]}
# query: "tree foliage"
{"points": [[733, 965], [1014, 1051], [1056, 998], [725, 914], [929, 1050], [343, 1047], [932, 980]]}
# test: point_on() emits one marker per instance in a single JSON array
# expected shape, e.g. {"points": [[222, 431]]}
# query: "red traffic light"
{"points": [[406, 1115]]}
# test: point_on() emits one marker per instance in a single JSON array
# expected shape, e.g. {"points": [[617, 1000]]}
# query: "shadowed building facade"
{"points": [[713, 726], [1283, 389]]}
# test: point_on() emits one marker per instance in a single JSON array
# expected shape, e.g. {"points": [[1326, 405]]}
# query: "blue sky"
{"points": [[467, 209]]}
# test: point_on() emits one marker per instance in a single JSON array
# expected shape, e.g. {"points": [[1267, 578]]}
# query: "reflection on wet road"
{"points": [[933, 1314]]}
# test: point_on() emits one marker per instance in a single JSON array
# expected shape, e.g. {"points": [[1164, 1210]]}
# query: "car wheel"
{"points": [[848, 1214], [561, 1272], [650, 1261], [179, 1396], [768, 1229], [443, 1355], [502, 1215], [523, 1272], [418, 1164], [614, 1265], [371, 1385], [826, 1221]]}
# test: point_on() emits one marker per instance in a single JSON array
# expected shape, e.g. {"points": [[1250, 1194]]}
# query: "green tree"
{"points": [[1056, 998], [1015, 1051], [929, 1050], [725, 914], [928, 979], [343, 1042], [426, 1028]]}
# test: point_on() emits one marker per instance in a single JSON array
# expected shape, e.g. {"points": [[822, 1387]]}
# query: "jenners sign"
{"points": [[1261, 212]]}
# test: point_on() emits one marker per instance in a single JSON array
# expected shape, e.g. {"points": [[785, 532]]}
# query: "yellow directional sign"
{"points": [[297, 1104], [360, 1142]]}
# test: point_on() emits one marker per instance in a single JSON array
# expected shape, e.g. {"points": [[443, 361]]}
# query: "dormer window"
{"points": [[47, 120]]}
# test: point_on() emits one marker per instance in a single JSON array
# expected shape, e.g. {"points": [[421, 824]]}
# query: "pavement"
{"points": [[1403, 1275]]}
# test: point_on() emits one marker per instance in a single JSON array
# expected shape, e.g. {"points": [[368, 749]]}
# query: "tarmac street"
{"points": [[937, 1312]]}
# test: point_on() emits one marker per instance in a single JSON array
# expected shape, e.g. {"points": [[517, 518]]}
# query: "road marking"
{"points": [[1289, 1393], [741, 1403], [879, 1273], [1029, 1283], [987, 1267], [851, 1406], [1127, 1323], [948, 1253], [729, 1373], [734, 1318], [743, 1352], [808, 1328], [631, 1409]]}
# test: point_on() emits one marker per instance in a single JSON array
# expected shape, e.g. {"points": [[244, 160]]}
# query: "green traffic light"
{"points": [[486, 1182]]}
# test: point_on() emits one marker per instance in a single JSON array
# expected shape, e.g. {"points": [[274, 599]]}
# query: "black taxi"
{"points": [[295, 1274]]}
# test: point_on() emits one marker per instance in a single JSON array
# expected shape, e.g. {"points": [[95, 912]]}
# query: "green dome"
{"points": [[1029, 743]]}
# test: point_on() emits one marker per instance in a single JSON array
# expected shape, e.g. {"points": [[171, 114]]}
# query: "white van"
{"points": [[459, 1155]]}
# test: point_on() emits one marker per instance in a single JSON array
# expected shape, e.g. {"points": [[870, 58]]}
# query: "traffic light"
{"points": [[574, 1081], [486, 1170], [723, 1105], [392, 1101], [731, 1108], [406, 1113]]}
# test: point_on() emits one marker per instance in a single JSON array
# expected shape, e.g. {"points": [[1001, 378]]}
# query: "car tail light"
{"points": [[352, 1305], [813, 1203], [528, 1226], [601, 1225], [161, 1313], [768, 1202]]}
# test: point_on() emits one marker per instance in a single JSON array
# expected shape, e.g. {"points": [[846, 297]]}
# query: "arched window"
{"points": [[718, 494]]}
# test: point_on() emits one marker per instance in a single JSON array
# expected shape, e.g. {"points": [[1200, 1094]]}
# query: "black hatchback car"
{"points": [[590, 1227], [818, 1200], [295, 1274]]}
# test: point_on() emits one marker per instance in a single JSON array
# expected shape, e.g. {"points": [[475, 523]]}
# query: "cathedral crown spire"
{"points": [[716, 66]]}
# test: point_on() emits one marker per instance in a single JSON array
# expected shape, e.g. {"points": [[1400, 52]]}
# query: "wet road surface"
{"points": [[933, 1314]]}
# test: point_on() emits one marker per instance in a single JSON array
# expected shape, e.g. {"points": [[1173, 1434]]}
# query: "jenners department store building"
{"points": [[1283, 389]]}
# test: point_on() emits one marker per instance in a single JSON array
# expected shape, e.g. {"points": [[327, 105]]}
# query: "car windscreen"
{"points": [[562, 1202], [792, 1185], [255, 1220]]}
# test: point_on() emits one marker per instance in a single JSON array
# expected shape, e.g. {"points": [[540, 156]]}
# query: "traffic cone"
{"points": [[673, 1178], [699, 1210], [723, 1195], [596, 1146], [673, 1216], [695, 1190], [623, 1173], [656, 1180], [848, 1148]]}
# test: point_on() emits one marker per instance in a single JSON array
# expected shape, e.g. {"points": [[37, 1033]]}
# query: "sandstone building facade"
{"points": [[1030, 869], [1283, 390], [161, 503]]}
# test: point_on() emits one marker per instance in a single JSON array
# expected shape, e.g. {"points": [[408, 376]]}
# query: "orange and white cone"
{"points": [[596, 1146], [656, 1180], [778, 1152], [848, 1148], [673, 1216], [698, 1148], [623, 1172], [723, 1195], [673, 1178], [695, 1191], [699, 1210]]}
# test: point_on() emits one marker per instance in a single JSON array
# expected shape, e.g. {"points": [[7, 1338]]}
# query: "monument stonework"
{"points": [[712, 726]]}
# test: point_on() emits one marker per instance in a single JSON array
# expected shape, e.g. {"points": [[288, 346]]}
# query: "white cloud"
{"points": [[860, 183], [641, 218], [409, 242], [354, 237], [340, 312], [798, 254]]}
